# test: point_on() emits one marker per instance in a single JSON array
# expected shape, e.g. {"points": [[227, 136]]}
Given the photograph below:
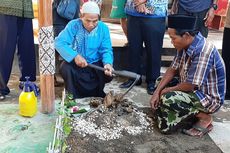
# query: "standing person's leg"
{"points": [[153, 30], [2, 85], [135, 48], [8, 39], [26, 51], [136, 43], [226, 57]]}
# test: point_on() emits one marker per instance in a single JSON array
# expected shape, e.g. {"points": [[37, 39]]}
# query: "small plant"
{"points": [[69, 101]]}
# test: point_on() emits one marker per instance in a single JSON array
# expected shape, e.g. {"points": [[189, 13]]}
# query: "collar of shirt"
{"points": [[87, 32], [193, 47]]}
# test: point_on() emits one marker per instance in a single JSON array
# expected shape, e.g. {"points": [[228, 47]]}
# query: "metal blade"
{"points": [[119, 73]]}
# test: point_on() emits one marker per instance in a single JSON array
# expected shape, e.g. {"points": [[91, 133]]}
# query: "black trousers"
{"points": [[84, 82], [226, 57], [2, 82], [16, 31], [149, 31]]}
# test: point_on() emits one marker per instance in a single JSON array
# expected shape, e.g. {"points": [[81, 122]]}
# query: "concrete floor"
{"points": [[22, 135]]}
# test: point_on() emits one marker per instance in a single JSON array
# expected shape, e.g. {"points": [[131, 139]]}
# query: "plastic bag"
{"points": [[68, 8]]}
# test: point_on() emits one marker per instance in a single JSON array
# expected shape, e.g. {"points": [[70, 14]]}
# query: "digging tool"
{"points": [[123, 73]]}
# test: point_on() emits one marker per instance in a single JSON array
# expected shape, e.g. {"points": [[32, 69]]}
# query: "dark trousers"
{"points": [[84, 82], [149, 31], [2, 82], [200, 15], [226, 57], [16, 31]]}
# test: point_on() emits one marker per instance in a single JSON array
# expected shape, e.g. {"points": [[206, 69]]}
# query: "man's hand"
{"points": [[155, 100], [139, 2], [165, 90], [108, 69], [209, 17], [142, 9], [80, 61]]}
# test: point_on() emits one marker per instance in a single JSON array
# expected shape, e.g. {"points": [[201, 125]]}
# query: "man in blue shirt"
{"points": [[83, 41], [201, 87]]}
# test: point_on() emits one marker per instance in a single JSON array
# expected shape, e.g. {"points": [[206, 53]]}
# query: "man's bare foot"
{"points": [[203, 126]]}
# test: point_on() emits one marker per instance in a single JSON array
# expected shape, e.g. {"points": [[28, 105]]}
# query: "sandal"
{"points": [[202, 130]]}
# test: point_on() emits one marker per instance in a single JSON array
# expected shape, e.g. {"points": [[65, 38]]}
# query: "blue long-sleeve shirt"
{"points": [[93, 46]]}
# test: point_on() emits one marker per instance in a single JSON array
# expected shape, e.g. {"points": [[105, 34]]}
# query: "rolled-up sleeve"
{"points": [[176, 61]]}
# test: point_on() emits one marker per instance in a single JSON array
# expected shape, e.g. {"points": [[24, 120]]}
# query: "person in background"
{"points": [[226, 52], [201, 88], [16, 30], [59, 24], [85, 40], [118, 11], [146, 24], [203, 10]]}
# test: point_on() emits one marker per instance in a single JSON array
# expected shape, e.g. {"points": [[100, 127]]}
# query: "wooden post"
{"points": [[46, 56]]}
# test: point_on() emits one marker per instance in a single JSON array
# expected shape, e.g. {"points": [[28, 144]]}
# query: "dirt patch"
{"points": [[114, 129]]}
